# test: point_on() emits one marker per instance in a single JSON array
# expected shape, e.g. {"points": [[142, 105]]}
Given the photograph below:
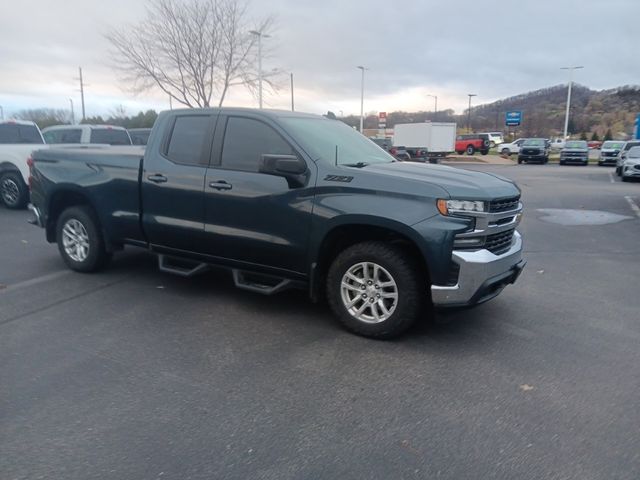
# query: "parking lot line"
{"points": [[633, 205], [35, 281]]}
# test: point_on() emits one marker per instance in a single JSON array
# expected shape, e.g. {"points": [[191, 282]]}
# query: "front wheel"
{"points": [[80, 242], [506, 152], [375, 289], [13, 191]]}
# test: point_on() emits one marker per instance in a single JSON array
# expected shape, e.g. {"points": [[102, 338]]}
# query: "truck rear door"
{"points": [[173, 178]]}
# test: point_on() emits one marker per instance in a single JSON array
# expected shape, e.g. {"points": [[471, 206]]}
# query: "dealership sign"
{"points": [[513, 118]]}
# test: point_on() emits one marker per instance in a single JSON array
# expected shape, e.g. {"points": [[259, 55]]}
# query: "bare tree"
{"points": [[192, 50], [45, 117]]}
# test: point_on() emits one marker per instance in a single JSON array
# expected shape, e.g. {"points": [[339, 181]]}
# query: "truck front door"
{"points": [[252, 217]]}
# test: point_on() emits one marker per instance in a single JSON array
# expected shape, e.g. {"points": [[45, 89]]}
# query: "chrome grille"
{"points": [[498, 243], [504, 205]]}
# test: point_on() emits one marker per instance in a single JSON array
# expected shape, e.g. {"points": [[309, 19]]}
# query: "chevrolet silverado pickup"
{"points": [[284, 200]]}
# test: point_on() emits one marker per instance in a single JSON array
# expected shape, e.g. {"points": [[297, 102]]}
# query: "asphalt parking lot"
{"points": [[136, 374]]}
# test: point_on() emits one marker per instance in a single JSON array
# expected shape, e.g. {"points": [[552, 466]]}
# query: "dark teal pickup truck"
{"points": [[287, 200]]}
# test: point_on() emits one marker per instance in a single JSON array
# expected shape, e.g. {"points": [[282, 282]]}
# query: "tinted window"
{"points": [[139, 137], [246, 140], [630, 145], [188, 138], [577, 144], [534, 142], [19, 134], [110, 136]]}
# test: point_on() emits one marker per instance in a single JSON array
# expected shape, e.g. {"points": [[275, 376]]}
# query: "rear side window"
{"points": [[63, 135], [188, 138], [246, 140], [19, 134], [110, 136]]}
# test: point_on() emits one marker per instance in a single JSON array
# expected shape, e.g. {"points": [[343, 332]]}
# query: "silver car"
{"points": [[631, 165], [623, 154]]}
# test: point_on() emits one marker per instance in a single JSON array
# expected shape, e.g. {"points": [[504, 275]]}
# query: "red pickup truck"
{"points": [[470, 143]]}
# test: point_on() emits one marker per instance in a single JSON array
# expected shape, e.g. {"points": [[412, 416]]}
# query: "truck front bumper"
{"points": [[482, 276]]}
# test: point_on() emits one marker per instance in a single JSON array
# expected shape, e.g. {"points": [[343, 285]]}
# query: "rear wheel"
{"points": [[13, 191], [470, 150], [375, 289], [80, 241], [506, 152]]}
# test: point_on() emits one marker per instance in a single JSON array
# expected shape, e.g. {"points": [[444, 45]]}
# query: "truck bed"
{"points": [[111, 176]]}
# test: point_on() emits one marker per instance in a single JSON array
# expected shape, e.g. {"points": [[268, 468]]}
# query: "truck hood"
{"points": [[456, 182]]}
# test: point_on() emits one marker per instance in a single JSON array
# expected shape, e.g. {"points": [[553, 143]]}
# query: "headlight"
{"points": [[447, 207]]}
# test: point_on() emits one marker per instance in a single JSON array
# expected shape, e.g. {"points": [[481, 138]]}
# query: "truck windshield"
{"points": [[577, 144], [14, 133], [613, 145], [534, 142], [334, 142]]}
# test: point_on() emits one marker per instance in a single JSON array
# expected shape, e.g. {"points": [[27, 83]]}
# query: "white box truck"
{"points": [[426, 141]]}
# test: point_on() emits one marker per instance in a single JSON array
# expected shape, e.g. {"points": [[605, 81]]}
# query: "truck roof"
{"points": [[266, 112]]}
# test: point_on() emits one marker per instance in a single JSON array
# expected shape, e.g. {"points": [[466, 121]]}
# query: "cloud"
{"points": [[495, 48]]}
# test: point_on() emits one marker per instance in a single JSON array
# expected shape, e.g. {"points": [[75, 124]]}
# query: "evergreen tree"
{"points": [[595, 137], [608, 135], [583, 136]]}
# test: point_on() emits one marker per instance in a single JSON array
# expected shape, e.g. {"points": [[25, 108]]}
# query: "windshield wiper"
{"points": [[356, 165]]}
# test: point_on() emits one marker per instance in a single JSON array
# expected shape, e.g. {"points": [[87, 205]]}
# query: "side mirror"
{"points": [[290, 167]]}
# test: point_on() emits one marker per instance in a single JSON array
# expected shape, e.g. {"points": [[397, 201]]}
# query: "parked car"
{"points": [[509, 148], [609, 152], [86, 134], [534, 150], [623, 154], [495, 139], [286, 200], [17, 140], [139, 136], [594, 144], [387, 144], [631, 165], [575, 151], [556, 143], [471, 143]]}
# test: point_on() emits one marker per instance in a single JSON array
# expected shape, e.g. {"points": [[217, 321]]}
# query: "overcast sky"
{"points": [[448, 48]]}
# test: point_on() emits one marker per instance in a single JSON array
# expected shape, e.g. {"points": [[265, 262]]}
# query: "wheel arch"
{"points": [[349, 232]]}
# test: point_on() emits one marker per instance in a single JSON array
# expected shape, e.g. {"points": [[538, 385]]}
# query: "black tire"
{"points": [[624, 179], [520, 161], [561, 162], [470, 150], [585, 164], [97, 256], [618, 171], [506, 152], [545, 160], [410, 284], [13, 191]]}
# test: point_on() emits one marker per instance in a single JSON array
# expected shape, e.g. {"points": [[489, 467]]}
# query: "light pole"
{"points": [[73, 116], [259, 35], [292, 109], [566, 117], [435, 97], [362, 98], [469, 112]]}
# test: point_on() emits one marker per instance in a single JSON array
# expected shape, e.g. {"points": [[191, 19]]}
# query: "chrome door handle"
{"points": [[157, 178], [220, 185]]}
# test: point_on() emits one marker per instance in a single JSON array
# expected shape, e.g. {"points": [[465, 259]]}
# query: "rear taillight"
{"points": [[393, 150], [30, 165]]}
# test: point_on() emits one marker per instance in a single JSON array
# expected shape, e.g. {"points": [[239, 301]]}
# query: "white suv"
{"points": [[495, 138]]}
